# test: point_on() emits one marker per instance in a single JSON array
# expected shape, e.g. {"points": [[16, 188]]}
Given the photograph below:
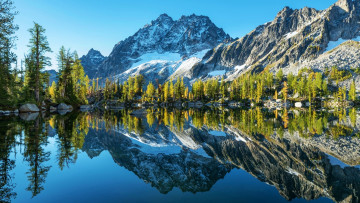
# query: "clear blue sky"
{"points": [[100, 24]]}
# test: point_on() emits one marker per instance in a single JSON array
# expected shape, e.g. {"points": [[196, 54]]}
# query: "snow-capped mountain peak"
{"points": [[184, 37]]}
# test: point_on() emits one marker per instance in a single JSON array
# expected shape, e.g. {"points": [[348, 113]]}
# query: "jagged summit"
{"points": [[293, 37], [346, 5], [91, 61], [185, 37]]}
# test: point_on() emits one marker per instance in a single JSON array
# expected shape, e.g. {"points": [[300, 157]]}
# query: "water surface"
{"points": [[176, 156]]}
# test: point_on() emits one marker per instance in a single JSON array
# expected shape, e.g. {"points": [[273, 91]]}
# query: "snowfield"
{"points": [[162, 66], [146, 58]]}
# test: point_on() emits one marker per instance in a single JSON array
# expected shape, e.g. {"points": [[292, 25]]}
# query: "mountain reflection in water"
{"points": [[303, 154]]}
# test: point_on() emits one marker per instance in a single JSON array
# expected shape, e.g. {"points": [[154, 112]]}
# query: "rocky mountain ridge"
{"points": [[164, 39], [91, 62], [295, 36], [195, 48]]}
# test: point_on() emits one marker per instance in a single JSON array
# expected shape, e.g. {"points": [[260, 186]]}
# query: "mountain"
{"points": [[91, 61], [195, 48], [52, 75], [159, 48], [293, 40], [194, 159]]}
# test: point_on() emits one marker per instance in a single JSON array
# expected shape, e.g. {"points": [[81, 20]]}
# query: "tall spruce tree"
{"points": [[7, 57], [65, 89], [36, 60], [352, 91], [80, 80]]}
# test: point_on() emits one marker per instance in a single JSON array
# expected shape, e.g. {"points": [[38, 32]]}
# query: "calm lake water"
{"points": [[182, 156]]}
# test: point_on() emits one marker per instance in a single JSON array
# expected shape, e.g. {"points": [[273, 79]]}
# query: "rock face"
{"points": [[163, 40], [28, 108], [91, 61], [292, 38]]}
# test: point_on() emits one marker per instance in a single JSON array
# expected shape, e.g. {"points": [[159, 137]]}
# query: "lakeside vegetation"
{"points": [[32, 84], [74, 87], [307, 85]]}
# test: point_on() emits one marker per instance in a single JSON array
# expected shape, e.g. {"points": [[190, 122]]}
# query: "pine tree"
{"points": [[186, 93], [166, 91], [80, 80], [259, 91], [52, 91], [37, 60], [279, 76], [150, 91], [65, 89], [352, 91], [171, 90], [7, 57], [324, 87], [223, 88], [285, 91]]}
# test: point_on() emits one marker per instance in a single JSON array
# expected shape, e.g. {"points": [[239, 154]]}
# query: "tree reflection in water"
{"points": [[285, 148]]}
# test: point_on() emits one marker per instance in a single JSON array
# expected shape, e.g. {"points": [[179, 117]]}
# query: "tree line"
{"points": [[307, 85], [32, 84]]}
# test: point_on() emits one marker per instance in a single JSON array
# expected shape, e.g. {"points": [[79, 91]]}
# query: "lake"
{"points": [[214, 155]]}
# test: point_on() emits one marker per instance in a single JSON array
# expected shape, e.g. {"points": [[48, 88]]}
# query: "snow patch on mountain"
{"points": [[291, 34], [164, 39], [156, 57], [162, 66], [166, 149]]}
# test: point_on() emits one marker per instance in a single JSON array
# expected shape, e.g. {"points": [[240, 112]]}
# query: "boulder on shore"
{"points": [[28, 108], [298, 105]]}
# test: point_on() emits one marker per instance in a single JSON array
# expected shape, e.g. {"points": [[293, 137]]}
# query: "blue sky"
{"points": [[100, 24]]}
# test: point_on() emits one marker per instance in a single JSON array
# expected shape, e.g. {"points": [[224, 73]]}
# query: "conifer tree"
{"points": [[285, 91], [52, 91], [223, 88], [259, 92], [150, 91], [80, 80], [166, 91], [65, 88], [352, 91], [36, 61], [279, 76], [171, 90], [7, 56]]}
